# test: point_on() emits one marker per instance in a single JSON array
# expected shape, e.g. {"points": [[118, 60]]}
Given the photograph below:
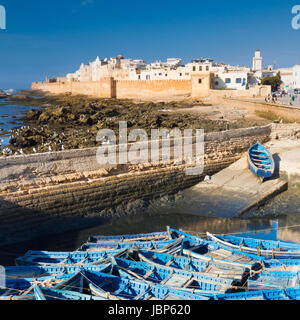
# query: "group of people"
{"points": [[274, 98]]}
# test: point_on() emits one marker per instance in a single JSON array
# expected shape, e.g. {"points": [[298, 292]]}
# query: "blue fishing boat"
{"points": [[111, 287], [223, 264], [272, 294], [78, 257], [164, 246], [278, 252], [15, 294], [154, 236], [281, 265], [172, 277], [261, 161], [44, 271], [213, 249], [273, 279], [18, 297], [42, 293], [114, 287], [262, 244], [79, 282], [18, 285], [68, 279], [206, 268]]}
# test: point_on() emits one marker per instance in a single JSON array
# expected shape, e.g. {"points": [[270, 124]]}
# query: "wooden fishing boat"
{"points": [[17, 297], [194, 244], [262, 244], [113, 287], [171, 277], [223, 264], [155, 236], [164, 246], [44, 271], [81, 281], [189, 240], [281, 265], [16, 285], [273, 279], [66, 280], [261, 161], [106, 286], [46, 258], [206, 268], [277, 253], [41, 293], [272, 294], [15, 294]]}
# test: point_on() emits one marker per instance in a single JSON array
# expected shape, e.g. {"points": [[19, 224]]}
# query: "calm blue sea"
{"points": [[10, 117]]}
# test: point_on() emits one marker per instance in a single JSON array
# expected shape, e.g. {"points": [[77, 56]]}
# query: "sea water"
{"points": [[10, 118]]}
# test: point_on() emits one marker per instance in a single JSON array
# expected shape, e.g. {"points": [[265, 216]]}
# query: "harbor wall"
{"points": [[54, 192]]}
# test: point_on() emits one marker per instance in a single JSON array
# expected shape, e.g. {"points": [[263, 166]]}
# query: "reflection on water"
{"points": [[149, 222], [283, 223]]}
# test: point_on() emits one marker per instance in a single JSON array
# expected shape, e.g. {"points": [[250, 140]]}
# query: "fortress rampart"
{"points": [[200, 86]]}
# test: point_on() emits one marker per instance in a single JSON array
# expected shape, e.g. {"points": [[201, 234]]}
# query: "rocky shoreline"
{"points": [[66, 122]]}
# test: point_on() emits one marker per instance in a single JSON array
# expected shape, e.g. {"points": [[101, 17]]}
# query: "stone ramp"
{"points": [[233, 191]]}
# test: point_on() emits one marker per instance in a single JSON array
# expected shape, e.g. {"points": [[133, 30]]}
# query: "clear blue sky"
{"points": [[54, 37]]}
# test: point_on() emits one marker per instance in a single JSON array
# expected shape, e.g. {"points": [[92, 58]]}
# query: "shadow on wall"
{"points": [[19, 224], [153, 219]]}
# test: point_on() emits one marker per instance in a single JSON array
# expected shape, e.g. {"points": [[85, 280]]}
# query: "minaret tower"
{"points": [[257, 61]]}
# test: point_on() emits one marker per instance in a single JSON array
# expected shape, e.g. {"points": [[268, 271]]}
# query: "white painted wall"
{"points": [[231, 80]]}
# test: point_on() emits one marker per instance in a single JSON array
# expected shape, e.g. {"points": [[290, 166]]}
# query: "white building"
{"points": [[225, 76], [116, 67], [290, 77], [235, 80], [174, 62]]}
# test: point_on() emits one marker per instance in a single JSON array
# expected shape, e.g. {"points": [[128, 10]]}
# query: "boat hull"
{"points": [[260, 161]]}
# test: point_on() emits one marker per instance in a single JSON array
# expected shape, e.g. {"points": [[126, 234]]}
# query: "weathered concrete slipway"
{"points": [[48, 193]]}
